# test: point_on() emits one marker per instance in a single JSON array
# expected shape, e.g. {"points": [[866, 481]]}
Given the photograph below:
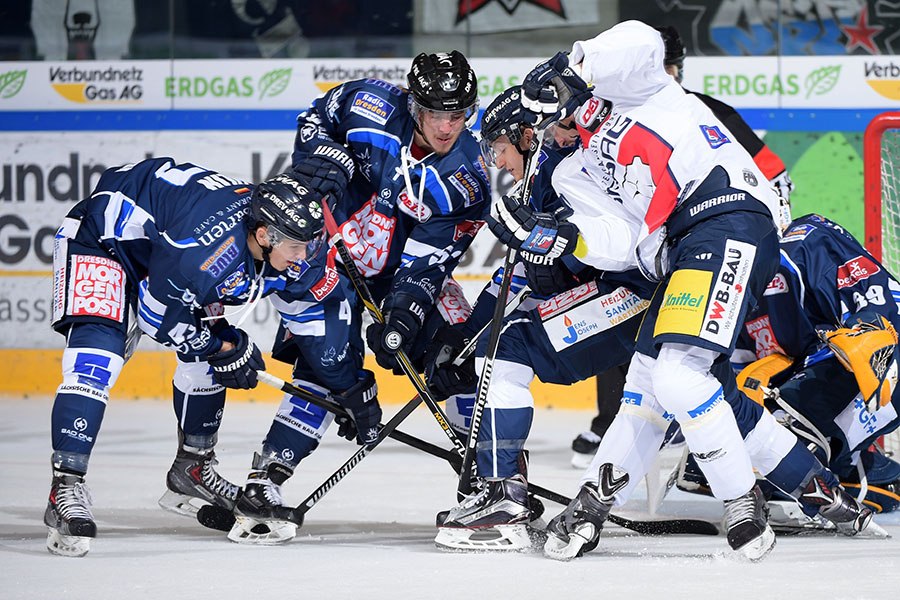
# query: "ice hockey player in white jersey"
{"points": [[661, 186]]}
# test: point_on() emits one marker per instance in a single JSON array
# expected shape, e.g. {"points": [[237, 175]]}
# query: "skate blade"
{"points": [[67, 545], [500, 538], [757, 549], [261, 533], [565, 550], [181, 504]]}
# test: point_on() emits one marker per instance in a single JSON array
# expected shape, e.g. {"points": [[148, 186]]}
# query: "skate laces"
{"points": [[741, 509], [218, 484], [73, 500]]}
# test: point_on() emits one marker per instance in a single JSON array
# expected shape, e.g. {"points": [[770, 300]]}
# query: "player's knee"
{"points": [[768, 443], [90, 372], [510, 383]]}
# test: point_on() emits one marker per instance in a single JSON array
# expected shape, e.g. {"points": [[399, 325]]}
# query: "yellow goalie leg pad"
{"points": [[868, 350], [754, 379]]}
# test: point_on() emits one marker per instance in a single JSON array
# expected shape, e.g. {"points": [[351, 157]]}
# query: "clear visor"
{"points": [[293, 249], [467, 117], [491, 150]]}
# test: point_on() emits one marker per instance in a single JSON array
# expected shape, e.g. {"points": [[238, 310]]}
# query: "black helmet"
{"points": [[674, 47], [442, 82], [291, 209]]}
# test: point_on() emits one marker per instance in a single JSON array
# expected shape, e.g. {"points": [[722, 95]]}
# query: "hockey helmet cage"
{"points": [[443, 82], [291, 209]]}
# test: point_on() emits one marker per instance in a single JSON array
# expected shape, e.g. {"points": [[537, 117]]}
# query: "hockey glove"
{"points": [[443, 377], [361, 402], [541, 237], [867, 347], [549, 279], [402, 324], [329, 168], [553, 91], [236, 368]]}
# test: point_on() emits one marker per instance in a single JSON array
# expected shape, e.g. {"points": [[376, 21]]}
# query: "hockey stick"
{"points": [[362, 290], [464, 487], [216, 517]]}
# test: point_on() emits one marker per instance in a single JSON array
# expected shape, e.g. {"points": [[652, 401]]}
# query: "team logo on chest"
{"points": [[368, 236]]}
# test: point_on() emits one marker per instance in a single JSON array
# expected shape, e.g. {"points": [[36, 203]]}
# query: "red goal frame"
{"points": [[872, 177]]}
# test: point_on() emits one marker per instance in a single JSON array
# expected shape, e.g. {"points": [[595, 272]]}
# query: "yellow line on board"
{"points": [[4, 273]]}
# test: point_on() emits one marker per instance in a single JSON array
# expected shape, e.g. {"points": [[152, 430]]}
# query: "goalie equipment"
{"points": [[576, 530], [193, 477], [494, 518], [868, 349], [836, 505], [754, 379], [746, 523], [261, 516], [68, 515]]}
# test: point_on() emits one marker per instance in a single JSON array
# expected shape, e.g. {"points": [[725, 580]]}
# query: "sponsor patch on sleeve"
{"points": [[855, 270], [778, 285], [797, 233], [714, 136], [371, 107], [467, 185]]}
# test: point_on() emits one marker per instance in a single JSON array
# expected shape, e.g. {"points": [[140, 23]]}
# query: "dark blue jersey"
{"points": [[825, 277], [406, 222], [180, 233]]}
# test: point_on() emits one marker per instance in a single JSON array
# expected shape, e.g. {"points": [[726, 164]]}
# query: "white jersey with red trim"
{"points": [[655, 146]]}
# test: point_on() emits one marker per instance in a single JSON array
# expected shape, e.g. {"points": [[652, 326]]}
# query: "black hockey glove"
{"points": [[443, 377], [541, 237], [329, 168], [549, 279], [236, 368], [361, 401], [553, 91], [403, 322]]}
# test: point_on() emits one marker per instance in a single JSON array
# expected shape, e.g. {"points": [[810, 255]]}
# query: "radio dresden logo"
{"points": [[11, 83], [112, 85]]}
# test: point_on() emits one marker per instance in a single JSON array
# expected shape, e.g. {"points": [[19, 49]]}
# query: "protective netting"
{"points": [[890, 200], [890, 227]]}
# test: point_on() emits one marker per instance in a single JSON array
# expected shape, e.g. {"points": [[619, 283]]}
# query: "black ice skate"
{"points": [[494, 518], [584, 447], [576, 530], [746, 524], [193, 481], [261, 516], [68, 516], [835, 504]]}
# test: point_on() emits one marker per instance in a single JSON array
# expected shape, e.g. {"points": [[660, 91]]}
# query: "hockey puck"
{"points": [[215, 517]]}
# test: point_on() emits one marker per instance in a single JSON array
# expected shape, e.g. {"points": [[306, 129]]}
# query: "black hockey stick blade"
{"points": [[215, 517], [667, 527]]}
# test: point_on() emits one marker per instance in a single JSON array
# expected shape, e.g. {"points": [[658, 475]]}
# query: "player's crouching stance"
{"points": [[154, 250], [660, 182]]}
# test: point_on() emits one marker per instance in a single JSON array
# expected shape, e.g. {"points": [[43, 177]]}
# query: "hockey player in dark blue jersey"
{"points": [[158, 249], [414, 188], [824, 335]]}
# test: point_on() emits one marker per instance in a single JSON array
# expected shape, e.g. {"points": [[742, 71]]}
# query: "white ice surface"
{"points": [[372, 536]]}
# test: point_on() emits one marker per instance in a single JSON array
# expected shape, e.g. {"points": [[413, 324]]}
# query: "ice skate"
{"points": [[68, 516], [746, 524], [835, 504], [193, 481], [261, 516], [584, 447], [493, 518], [576, 530]]}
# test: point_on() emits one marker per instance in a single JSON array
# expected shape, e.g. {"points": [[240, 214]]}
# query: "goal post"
{"points": [[881, 174]]}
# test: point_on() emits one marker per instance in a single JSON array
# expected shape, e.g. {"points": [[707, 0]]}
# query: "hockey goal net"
{"points": [[881, 157]]}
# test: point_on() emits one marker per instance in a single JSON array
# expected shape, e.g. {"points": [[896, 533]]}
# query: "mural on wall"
{"points": [[758, 27], [491, 16]]}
